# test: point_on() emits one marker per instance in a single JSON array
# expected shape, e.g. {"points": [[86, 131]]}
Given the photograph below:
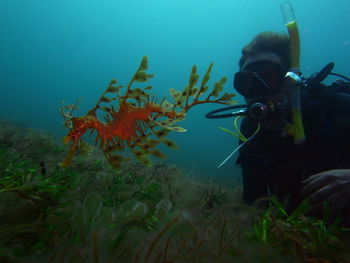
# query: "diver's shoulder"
{"points": [[341, 85], [335, 93], [326, 95]]}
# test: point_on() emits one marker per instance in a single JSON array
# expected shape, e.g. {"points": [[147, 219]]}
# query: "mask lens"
{"points": [[272, 74], [243, 81], [264, 81]]}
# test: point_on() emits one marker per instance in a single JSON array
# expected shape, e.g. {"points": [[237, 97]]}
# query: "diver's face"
{"points": [[262, 75], [262, 80]]}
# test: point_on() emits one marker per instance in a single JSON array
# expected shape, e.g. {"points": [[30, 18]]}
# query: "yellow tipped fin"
{"points": [[207, 75], [171, 144], [161, 133], [158, 153], [113, 88], [152, 143], [144, 63], [177, 129], [142, 76]]}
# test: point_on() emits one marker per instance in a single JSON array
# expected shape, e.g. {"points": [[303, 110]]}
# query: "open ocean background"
{"points": [[63, 50]]}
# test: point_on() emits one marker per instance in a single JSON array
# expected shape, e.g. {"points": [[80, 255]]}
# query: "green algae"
{"points": [[91, 214]]}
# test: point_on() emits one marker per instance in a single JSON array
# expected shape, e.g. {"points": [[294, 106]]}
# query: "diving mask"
{"points": [[266, 86], [258, 79]]}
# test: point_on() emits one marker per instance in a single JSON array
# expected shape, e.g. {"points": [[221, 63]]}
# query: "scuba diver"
{"points": [[292, 149]]}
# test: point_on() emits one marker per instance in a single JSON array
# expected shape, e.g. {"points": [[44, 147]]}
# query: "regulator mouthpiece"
{"points": [[259, 111]]}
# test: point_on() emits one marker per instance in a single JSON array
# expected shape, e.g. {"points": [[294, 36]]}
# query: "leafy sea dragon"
{"points": [[140, 123]]}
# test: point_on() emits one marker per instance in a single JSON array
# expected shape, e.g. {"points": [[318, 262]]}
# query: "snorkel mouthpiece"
{"points": [[293, 78], [297, 128]]}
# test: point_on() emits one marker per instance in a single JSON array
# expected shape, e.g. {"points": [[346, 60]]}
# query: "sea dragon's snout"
{"points": [[74, 136]]}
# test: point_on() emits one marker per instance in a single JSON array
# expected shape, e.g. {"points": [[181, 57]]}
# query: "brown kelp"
{"points": [[138, 121]]}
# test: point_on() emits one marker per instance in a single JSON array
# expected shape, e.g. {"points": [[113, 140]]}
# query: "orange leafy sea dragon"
{"points": [[139, 122]]}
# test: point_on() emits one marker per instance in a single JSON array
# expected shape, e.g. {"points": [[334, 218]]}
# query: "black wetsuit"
{"points": [[275, 165]]}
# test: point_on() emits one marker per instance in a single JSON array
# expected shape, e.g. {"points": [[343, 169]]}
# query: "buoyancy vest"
{"points": [[272, 164]]}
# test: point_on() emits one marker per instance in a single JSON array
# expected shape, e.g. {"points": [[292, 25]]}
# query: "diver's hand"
{"points": [[331, 186]]}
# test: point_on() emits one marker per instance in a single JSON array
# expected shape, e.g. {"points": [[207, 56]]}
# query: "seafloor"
{"points": [[90, 213]]}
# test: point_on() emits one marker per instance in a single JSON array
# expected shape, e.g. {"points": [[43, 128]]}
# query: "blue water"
{"points": [[62, 50]]}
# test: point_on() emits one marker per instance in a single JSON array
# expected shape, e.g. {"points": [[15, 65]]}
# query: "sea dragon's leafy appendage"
{"points": [[138, 121]]}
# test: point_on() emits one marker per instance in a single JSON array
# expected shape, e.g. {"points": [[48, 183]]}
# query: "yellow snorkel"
{"points": [[296, 129]]}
